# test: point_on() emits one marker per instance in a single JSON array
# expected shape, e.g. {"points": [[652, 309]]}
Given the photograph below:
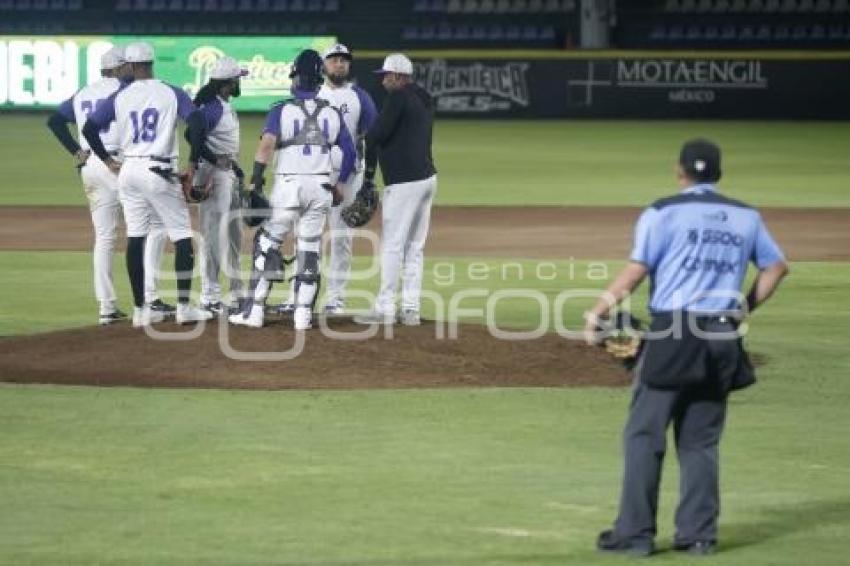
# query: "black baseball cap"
{"points": [[700, 158]]}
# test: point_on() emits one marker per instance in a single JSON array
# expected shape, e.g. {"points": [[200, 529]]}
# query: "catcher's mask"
{"points": [[307, 70]]}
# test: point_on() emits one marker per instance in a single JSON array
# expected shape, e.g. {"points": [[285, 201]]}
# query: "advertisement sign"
{"points": [[41, 72], [631, 87]]}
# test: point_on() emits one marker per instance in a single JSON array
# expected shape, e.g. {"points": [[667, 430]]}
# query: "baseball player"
{"points": [[101, 186], [213, 132], [302, 131], [145, 113], [358, 112], [401, 139]]}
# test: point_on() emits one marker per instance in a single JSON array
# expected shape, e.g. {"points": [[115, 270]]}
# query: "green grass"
{"points": [[440, 477], [605, 163]]}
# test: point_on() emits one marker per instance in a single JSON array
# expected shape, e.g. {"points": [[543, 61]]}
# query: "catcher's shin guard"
{"points": [[307, 279], [267, 267]]}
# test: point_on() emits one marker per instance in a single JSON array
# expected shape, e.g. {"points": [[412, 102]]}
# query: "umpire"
{"points": [[695, 247]]}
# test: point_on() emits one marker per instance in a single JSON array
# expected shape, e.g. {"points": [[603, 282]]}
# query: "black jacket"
{"points": [[401, 137]]}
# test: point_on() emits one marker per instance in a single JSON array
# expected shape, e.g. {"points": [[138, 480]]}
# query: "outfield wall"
{"points": [[735, 85]]}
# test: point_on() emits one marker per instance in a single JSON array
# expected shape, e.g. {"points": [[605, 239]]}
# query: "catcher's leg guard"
{"points": [[307, 279], [267, 267]]}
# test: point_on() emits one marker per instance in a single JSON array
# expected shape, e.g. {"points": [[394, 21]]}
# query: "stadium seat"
{"points": [[157, 5], [469, 7], [122, 5], [738, 6], [513, 33], [694, 33], [799, 33], [756, 6], [552, 6], [704, 6], [836, 32], [676, 33], [747, 33], [728, 33], [421, 6], [568, 6], [175, 6], [410, 33], [763, 33], [315, 5], [548, 33], [688, 6], [495, 33], [75, 5], [711, 33], [781, 33], [672, 6], [7, 5], [503, 6], [262, 6], [227, 6], [519, 6], [462, 32], [818, 33], [278, 5], [839, 6], [454, 6], [141, 5], [721, 6], [530, 33], [487, 7], [39, 5], [58, 5], [771, 6], [428, 32], [806, 6], [535, 6], [444, 32], [822, 6], [210, 5], [438, 6], [658, 33], [23, 5], [297, 6], [788, 6]]}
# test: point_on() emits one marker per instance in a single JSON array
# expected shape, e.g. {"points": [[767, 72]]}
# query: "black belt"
{"points": [[156, 158]]}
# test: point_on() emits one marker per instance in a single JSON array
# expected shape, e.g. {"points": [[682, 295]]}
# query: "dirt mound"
{"points": [[395, 357]]}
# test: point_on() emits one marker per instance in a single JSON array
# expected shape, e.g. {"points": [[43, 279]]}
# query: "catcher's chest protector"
{"points": [[309, 132]]}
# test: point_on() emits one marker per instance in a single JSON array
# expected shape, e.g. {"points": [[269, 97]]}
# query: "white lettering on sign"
{"points": [[41, 72]]}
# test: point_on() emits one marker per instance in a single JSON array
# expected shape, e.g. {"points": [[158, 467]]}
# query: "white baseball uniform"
{"points": [[146, 113], [101, 187], [221, 231]]}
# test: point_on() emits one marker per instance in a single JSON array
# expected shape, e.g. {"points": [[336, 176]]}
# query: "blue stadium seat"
{"points": [[38, 5], [314, 5], [23, 5], [421, 6], [513, 33], [157, 6], [444, 32], [58, 5], [7, 5], [75, 5], [799, 33], [494, 33], [658, 33], [122, 5], [454, 6], [438, 6], [763, 33], [428, 32], [278, 5], [462, 32], [781, 33], [297, 6], [836, 32], [331, 5], [141, 5], [771, 6], [738, 6], [210, 5], [676, 33], [262, 6], [711, 33], [747, 33], [227, 5], [530, 33], [193, 5], [469, 7], [694, 33], [175, 6], [410, 33], [548, 33], [818, 33], [487, 6]]}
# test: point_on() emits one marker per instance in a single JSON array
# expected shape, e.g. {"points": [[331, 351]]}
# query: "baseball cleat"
{"points": [[286, 308], [159, 306], [186, 314], [216, 308], [254, 319], [409, 318], [374, 317], [334, 307], [145, 316], [110, 317], [302, 319], [609, 541]]}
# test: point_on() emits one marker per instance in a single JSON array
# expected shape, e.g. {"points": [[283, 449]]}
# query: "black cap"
{"points": [[700, 159], [308, 64]]}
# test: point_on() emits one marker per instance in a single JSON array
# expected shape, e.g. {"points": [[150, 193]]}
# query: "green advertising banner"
{"points": [[42, 71]]}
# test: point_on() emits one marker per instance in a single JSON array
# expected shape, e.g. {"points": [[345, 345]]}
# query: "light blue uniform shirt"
{"points": [[697, 246]]}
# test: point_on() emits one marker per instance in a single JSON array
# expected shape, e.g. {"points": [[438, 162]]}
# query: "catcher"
{"points": [[215, 182]]}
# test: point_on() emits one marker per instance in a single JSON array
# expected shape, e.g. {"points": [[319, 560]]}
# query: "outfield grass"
{"points": [[535, 163], [440, 477]]}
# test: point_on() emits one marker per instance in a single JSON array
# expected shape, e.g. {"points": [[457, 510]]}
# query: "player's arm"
{"points": [[103, 115], [349, 154], [58, 124], [383, 128], [197, 129], [268, 142]]}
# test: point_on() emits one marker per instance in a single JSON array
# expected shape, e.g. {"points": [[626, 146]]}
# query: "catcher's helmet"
{"points": [[307, 70], [255, 208]]}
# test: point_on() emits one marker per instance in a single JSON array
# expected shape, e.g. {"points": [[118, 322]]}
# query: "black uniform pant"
{"points": [[698, 414]]}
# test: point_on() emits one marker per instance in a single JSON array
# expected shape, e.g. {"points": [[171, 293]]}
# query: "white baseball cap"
{"points": [[396, 63], [112, 58], [139, 52], [338, 49], [227, 68]]}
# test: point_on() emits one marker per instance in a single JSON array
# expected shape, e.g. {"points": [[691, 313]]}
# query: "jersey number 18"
{"points": [[144, 126]]}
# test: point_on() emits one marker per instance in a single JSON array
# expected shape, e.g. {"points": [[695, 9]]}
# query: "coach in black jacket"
{"points": [[401, 141]]}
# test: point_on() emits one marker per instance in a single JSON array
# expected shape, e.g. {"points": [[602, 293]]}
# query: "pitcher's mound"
{"points": [[394, 357]]}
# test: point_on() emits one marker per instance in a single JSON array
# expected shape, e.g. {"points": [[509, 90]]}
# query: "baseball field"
{"points": [[420, 450]]}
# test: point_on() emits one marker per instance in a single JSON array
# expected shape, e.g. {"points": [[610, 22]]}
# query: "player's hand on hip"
{"points": [[114, 166], [82, 156]]}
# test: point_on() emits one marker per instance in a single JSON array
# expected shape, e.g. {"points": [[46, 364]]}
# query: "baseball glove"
{"points": [[623, 337], [361, 210], [195, 193]]}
